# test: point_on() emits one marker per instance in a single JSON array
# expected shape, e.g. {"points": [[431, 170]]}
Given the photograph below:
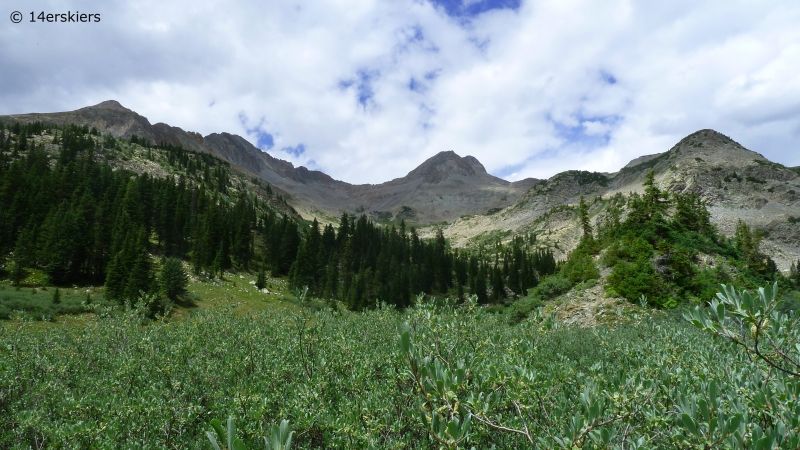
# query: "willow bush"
{"points": [[433, 376]]}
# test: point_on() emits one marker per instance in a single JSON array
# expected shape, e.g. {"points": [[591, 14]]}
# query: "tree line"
{"points": [[79, 221], [362, 263], [66, 211]]}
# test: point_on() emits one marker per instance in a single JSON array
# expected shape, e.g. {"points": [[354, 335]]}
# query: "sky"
{"points": [[366, 90]]}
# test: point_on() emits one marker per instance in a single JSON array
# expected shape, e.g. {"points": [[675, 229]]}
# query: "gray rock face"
{"points": [[443, 188], [736, 183]]}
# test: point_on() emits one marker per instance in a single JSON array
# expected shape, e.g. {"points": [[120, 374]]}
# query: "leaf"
{"points": [[238, 445], [466, 425], [405, 341], [213, 439], [218, 428], [689, 423], [231, 432], [453, 429]]}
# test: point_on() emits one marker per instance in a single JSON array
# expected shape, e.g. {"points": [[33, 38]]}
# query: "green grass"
{"points": [[37, 303], [34, 299], [236, 289]]}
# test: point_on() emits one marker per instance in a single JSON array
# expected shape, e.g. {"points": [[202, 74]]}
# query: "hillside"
{"points": [[734, 182], [442, 189]]}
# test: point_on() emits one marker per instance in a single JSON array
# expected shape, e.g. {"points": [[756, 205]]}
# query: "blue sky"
{"points": [[468, 9], [366, 90]]}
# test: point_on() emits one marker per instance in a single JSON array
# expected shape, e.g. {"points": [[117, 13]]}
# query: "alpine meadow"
{"points": [[155, 296]]}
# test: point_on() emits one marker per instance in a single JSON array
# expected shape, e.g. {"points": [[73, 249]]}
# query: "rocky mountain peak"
{"points": [[109, 104], [442, 166], [705, 141], [443, 188], [473, 161]]}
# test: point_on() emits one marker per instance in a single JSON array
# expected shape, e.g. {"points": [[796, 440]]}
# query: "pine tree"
{"points": [[115, 278], [331, 278], [480, 287], [141, 276], [57, 297], [583, 214], [173, 278], [261, 280], [16, 272]]}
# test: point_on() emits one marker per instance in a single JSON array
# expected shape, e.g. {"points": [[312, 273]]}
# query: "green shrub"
{"points": [[632, 280], [522, 308], [496, 309], [580, 265], [552, 286]]}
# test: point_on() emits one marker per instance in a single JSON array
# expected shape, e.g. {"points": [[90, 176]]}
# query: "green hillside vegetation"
{"points": [[72, 208], [65, 211], [658, 246]]}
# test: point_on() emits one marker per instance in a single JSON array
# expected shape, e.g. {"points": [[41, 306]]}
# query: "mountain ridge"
{"points": [[443, 188], [734, 182], [472, 205]]}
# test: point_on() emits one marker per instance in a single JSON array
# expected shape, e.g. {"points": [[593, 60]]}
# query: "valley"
{"points": [[153, 280]]}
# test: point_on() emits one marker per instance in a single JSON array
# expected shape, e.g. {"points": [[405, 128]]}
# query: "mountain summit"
{"points": [[443, 188], [441, 166]]}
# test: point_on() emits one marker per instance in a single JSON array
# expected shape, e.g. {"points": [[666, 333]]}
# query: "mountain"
{"points": [[736, 183], [442, 189]]}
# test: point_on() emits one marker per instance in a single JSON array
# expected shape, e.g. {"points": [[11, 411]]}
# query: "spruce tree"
{"points": [[16, 272], [480, 287], [261, 281], [331, 278], [173, 278], [583, 214], [115, 278], [140, 278]]}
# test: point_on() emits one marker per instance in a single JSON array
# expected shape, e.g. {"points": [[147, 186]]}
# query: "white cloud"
{"points": [[554, 85]]}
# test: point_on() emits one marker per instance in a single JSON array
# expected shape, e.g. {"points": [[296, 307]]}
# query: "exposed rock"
{"points": [[736, 183], [442, 189]]}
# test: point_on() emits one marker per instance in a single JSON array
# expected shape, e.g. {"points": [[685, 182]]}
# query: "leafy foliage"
{"points": [[656, 249], [342, 382], [771, 339]]}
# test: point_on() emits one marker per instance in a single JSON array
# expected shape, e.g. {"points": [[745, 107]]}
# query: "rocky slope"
{"points": [[442, 189], [735, 182]]}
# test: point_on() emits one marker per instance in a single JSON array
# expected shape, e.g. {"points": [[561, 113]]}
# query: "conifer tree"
{"points": [[261, 280], [16, 272], [331, 278], [115, 278], [480, 287], [173, 278], [141, 276], [583, 214]]}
